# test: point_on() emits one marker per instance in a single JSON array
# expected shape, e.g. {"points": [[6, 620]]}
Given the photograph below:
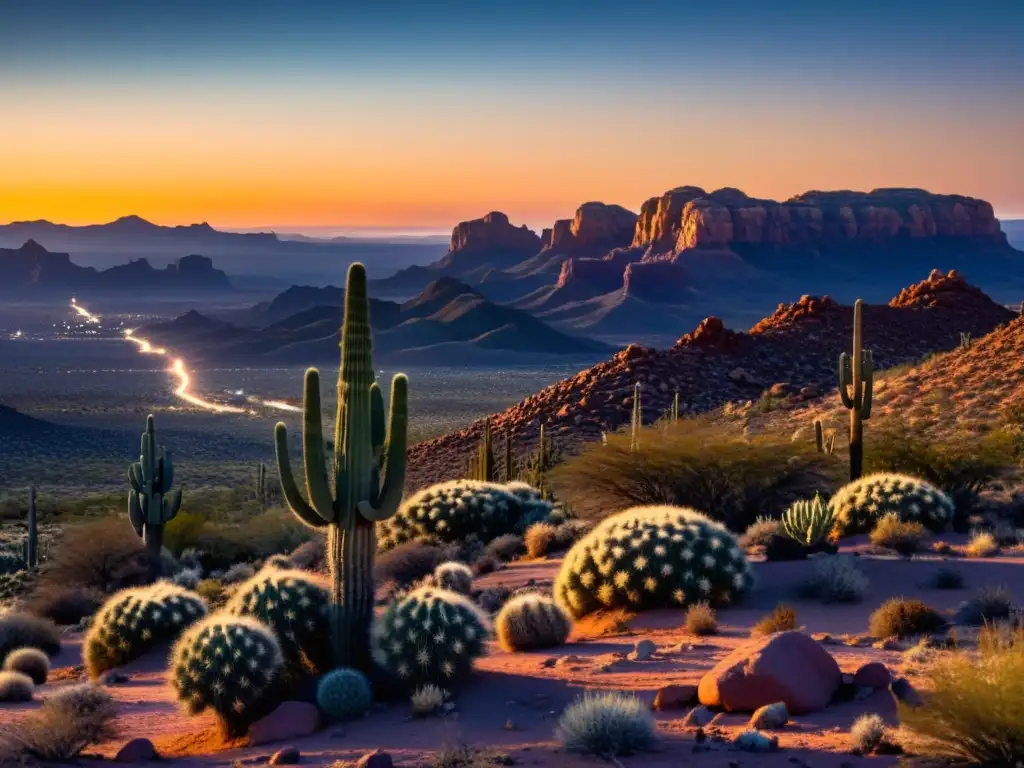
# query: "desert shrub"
{"points": [[64, 605], [975, 713], [23, 630], [211, 590], [760, 532], [15, 687], [254, 538], [652, 557], [429, 636], [608, 725], [485, 564], [835, 579], [344, 694], [530, 621], [906, 538], [982, 544], [68, 721], [453, 511], [781, 619], [228, 664], [136, 620], [29, 661], [568, 533], [538, 539], [184, 531], [859, 505], [454, 576], [102, 554], [506, 547], [962, 466], [407, 563], [309, 555], [492, 598], [701, 619], [696, 463], [293, 605], [899, 617], [866, 733], [808, 522], [989, 604], [947, 578], [238, 572], [188, 578], [427, 700]]}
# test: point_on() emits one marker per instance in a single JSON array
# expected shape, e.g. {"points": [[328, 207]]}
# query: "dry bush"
{"points": [[866, 734], [68, 721], [835, 579], [975, 711], [982, 544], [696, 463], [507, 547], [254, 538], [906, 538], [947, 578], [538, 539], [701, 619], [184, 532], [104, 554], [989, 604], [781, 619], [427, 700], [761, 532], [65, 605], [23, 630], [408, 563], [904, 618]]}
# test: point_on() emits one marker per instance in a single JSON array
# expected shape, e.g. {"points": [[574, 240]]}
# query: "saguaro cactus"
{"points": [[151, 503], [358, 499], [31, 552], [637, 421], [510, 468], [826, 442], [855, 387], [484, 467], [261, 484]]}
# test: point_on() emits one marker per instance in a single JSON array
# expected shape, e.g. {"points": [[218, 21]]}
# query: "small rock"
{"points": [[549, 662], [698, 717], [873, 675], [675, 697], [136, 751], [753, 741], [375, 759], [286, 756], [902, 690], [643, 650], [770, 716], [290, 720]]}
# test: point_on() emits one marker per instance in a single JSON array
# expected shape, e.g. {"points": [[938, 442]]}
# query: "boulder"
{"points": [[643, 651], [698, 717], [872, 675], [675, 697], [286, 756], [788, 667], [770, 716], [375, 759], [136, 751], [290, 720]]}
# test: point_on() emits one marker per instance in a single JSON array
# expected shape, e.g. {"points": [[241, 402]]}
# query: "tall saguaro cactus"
{"points": [[151, 502], [31, 552], [855, 387], [637, 420], [359, 498]]}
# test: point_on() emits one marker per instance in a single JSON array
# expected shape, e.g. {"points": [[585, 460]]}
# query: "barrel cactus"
{"points": [[344, 694], [808, 522], [453, 511], [137, 619], [652, 557], [368, 470], [429, 636], [859, 505], [229, 664], [534, 507], [454, 576], [295, 606], [530, 622]]}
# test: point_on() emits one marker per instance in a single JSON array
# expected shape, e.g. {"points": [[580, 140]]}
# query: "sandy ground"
{"points": [[513, 703]]}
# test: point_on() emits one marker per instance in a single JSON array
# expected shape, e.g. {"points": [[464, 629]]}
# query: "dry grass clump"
{"points": [[538, 539], [408, 563], [701, 619], [506, 547], [835, 579], [988, 604], [781, 619], [608, 725], [866, 734], [975, 710], [904, 618], [103, 555], [68, 721], [982, 544], [29, 661], [427, 700], [760, 532], [905, 538]]}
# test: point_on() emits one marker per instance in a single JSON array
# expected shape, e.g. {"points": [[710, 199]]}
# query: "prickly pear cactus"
{"points": [[295, 606], [858, 506], [430, 636], [652, 557], [229, 664], [135, 620]]}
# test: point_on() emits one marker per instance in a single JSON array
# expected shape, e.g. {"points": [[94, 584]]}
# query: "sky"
{"points": [[414, 115]]}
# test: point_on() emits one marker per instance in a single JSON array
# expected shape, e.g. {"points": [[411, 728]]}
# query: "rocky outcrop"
{"points": [[949, 290], [596, 229], [493, 233], [657, 227]]}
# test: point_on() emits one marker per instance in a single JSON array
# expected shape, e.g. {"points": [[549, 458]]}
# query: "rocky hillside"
{"points": [[789, 356]]}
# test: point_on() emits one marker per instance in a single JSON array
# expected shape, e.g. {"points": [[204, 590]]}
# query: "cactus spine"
{"points": [[855, 389], [31, 553], [362, 453], [826, 443], [151, 503]]}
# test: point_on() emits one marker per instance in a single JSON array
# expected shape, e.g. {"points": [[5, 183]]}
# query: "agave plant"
{"points": [[808, 522]]}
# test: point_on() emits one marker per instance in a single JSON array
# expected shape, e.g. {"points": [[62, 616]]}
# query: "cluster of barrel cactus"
{"points": [[530, 622], [859, 505], [429, 636], [808, 521], [229, 664], [652, 557], [294, 606], [135, 620], [453, 511]]}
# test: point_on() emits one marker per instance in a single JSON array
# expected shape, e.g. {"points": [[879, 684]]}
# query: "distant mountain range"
{"points": [[689, 253], [240, 253], [448, 323], [1014, 229], [32, 271]]}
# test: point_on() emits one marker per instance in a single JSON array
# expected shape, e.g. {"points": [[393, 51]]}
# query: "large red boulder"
{"points": [[788, 666]]}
